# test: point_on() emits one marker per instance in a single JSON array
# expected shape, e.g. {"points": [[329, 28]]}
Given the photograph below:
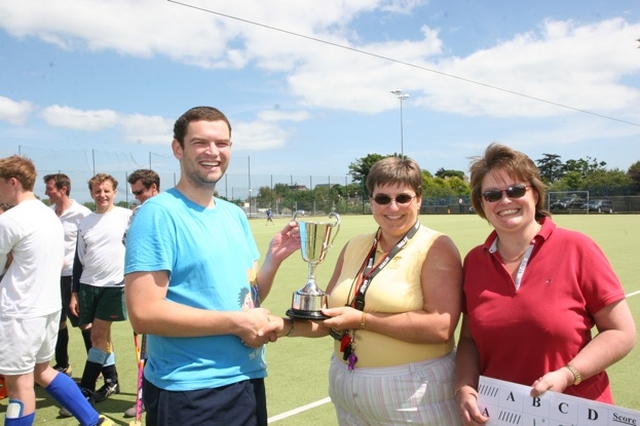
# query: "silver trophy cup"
{"points": [[315, 240]]}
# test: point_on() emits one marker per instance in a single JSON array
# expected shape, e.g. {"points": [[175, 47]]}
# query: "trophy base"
{"points": [[307, 315]]}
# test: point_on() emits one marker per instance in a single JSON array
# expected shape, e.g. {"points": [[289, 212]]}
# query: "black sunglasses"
{"points": [[138, 192], [514, 191], [384, 199]]}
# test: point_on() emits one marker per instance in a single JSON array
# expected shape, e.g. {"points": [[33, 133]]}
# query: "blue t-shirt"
{"points": [[209, 255]]}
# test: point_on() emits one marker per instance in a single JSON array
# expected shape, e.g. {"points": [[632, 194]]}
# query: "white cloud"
{"points": [[72, 118], [563, 62], [258, 135], [13, 112], [143, 129]]}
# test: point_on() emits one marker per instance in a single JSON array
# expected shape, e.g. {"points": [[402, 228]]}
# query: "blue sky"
{"points": [[93, 83]]}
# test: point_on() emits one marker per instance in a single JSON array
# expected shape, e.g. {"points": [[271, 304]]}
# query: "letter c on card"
{"points": [[562, 407]]}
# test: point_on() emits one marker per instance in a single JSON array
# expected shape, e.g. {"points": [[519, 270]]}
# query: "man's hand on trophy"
{"points": [[285, 242]]}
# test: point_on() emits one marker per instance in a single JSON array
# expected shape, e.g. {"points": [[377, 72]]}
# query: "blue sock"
{"points": [[21, 421], [98, 356], [64, 390], [111, 359]]}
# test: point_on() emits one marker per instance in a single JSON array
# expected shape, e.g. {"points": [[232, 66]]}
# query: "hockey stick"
{"points": [[141, 354]]}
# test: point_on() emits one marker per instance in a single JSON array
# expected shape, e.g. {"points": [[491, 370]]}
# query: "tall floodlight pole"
{"points": [[402, 96]]}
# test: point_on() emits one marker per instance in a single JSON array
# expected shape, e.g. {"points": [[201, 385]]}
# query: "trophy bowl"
{"points": [[315, 240]]}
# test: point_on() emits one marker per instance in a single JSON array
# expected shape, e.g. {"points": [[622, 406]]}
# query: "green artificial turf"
{"points": [[298, 367]]}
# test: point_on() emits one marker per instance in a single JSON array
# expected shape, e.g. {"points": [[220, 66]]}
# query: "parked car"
{"points": [[567, 203], [600, 206]]}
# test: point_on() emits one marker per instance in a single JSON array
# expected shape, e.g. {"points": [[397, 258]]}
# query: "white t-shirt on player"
{"points": [[101, 248], [70, 220], [32, 233]]}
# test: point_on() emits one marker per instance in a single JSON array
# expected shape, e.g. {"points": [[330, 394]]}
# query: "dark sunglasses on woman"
{"points": [[514, 191], [384, 199]]}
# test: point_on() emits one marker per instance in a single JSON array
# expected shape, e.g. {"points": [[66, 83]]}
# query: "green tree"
{"points": [[442, 173], [607, 179], [359, 170], [301, 200], [585, 167], [320, 198], [550, 167], [282, 190], [571, 180], [339, 190], [266, 197], [458, 186], [337, 199], [634, 174], [435, 187]]}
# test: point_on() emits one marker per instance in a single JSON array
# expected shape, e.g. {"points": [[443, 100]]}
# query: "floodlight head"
{"points": [[396, 91]]}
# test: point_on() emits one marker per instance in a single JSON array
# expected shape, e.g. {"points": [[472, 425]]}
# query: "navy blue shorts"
{"points": [[243, 403]]}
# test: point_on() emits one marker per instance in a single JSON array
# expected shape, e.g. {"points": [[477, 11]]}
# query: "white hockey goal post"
{"points": [[567, 200]]}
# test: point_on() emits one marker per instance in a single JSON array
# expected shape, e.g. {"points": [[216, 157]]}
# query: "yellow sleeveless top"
{"points": [[396, 288]]}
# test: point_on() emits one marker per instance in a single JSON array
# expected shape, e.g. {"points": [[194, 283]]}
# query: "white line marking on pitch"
{"points": [[299, 410]]}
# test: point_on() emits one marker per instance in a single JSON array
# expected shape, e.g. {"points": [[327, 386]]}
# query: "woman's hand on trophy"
{"points": [[342, 318]]}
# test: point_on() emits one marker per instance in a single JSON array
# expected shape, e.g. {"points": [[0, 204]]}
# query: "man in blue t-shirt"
{"points": [[194, 287]]}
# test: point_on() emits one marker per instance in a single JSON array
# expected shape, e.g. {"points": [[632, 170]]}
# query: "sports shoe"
{"points": [[64, 370], [131, 412], [105, 421], [110, 387], [87, 394]]}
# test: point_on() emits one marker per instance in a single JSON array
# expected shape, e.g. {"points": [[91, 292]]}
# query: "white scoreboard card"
{"points": [[509, 404]]}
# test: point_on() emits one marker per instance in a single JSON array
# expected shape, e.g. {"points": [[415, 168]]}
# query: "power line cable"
{"points": [[397, 61]]}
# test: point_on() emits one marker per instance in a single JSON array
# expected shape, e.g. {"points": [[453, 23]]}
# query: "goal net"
{"points": [[567, 201]]}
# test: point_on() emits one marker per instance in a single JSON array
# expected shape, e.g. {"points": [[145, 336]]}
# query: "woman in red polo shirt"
{"points": [[533, 293]]}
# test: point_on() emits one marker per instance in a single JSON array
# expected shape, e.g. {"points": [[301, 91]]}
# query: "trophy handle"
{"points": [[335, 225], [295, 214]]}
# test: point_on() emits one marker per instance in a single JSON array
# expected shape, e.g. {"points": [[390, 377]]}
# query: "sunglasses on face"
{"points": [[138, 192], [514, 191], [384, 199]]}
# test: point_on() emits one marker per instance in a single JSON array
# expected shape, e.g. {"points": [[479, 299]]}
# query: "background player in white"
{"points": [[30, 300], [98, 283], [70, 212]]}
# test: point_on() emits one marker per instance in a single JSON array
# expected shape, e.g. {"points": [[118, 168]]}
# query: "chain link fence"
{"points": [[255, 192]]}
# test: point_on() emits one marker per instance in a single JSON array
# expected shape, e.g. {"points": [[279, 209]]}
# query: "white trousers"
{"points": [[418, 393]]}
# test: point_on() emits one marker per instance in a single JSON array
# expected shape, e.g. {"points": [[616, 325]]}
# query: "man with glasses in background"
{"points": [[145, 183]]}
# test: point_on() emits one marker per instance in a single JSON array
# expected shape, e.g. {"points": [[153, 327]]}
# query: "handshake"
{"points": [[262, 327]]}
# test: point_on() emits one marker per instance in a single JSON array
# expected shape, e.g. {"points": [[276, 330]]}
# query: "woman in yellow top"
{"points": [[394, 303]]}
